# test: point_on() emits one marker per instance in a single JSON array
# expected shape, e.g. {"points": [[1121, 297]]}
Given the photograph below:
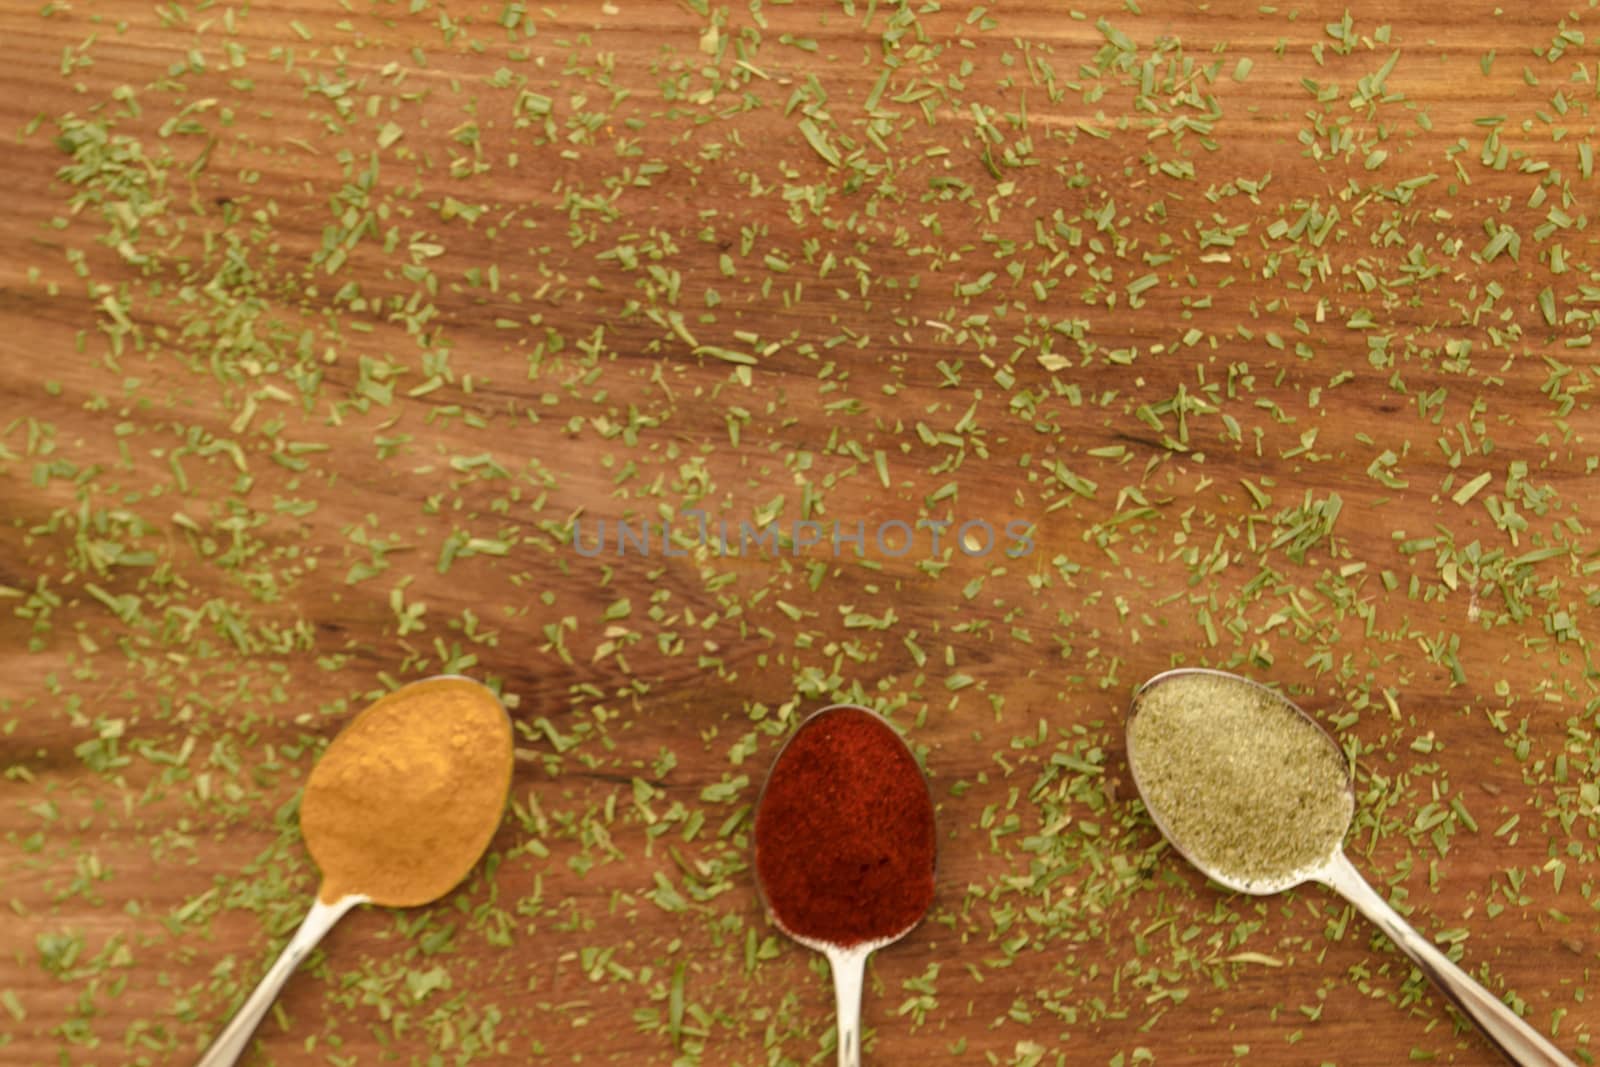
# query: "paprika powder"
{"points": [[844, 834]]}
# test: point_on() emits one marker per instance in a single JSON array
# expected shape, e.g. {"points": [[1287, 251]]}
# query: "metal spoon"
{"points": [[849, 968], [231, 1042], [1519, 1042], [847, 963]]}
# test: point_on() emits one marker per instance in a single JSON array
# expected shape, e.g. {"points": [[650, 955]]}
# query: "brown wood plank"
{"points": [[258, 422]]}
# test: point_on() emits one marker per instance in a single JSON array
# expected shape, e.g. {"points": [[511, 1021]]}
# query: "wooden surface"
{"points": [[248, 484]]}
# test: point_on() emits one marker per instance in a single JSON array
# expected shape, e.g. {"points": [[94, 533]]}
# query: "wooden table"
{"points": [[321, 328]]}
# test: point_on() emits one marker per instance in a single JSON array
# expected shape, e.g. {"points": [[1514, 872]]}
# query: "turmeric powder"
{"points": [[407, 797]]}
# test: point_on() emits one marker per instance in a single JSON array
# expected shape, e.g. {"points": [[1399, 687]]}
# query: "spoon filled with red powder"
{"points": [[844, 847]]}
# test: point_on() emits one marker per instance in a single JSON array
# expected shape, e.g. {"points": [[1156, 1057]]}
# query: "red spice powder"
{"points": [[844, 843]]}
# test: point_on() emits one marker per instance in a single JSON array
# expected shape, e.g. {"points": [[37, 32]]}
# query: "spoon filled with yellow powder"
{"points": [[397, 812]]}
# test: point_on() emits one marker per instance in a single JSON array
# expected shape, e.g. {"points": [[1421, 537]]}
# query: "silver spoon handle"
{"points": [[849, 966], [1519, 1042], [230, 1044]]}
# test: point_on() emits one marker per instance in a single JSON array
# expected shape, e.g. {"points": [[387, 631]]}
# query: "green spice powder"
{"points": [[1241, 782]]}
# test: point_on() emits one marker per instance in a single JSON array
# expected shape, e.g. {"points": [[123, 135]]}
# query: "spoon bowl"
{"points": [[1514, 1038], [1255, 886]]}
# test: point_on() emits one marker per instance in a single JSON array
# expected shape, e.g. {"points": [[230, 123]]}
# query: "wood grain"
{"points": [[262, 421]]}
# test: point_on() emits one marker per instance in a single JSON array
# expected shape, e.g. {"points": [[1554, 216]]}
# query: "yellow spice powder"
{"points": [[407, 797]]}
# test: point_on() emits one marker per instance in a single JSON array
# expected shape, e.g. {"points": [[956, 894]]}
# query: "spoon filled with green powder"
{"points": [[1255, 794]]}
